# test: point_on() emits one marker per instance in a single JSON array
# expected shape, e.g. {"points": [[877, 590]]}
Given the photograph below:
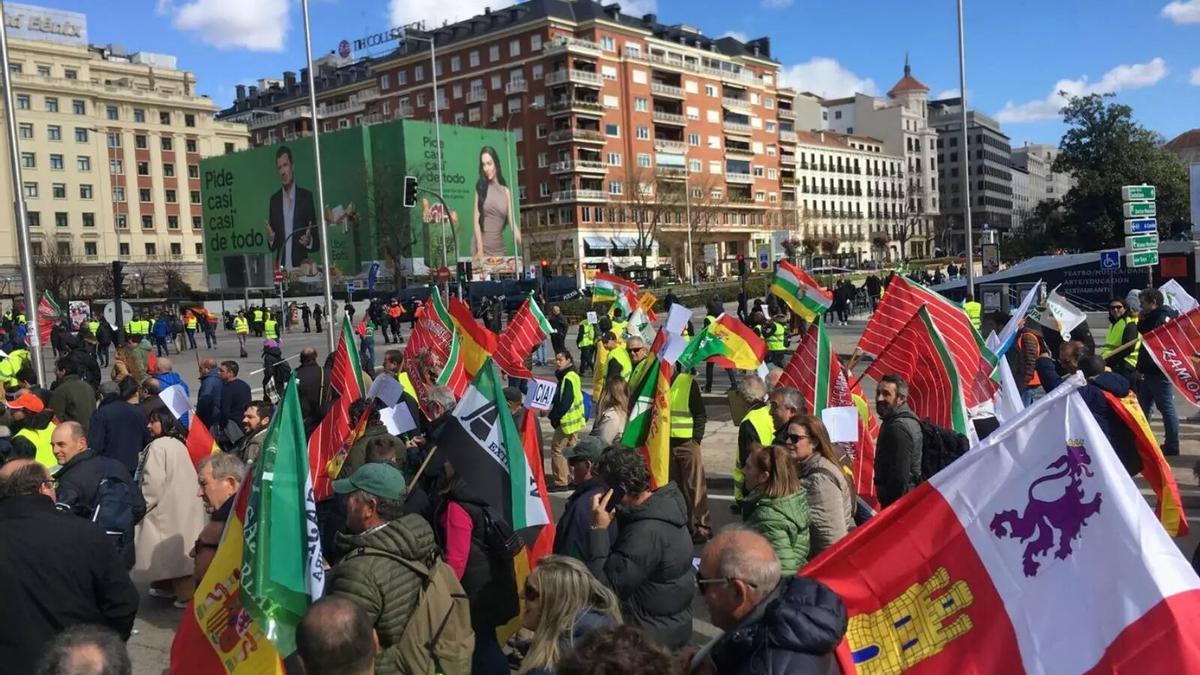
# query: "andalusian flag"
{"points": [[649, 427], [267, 569], [608, 287], [477, 343], [727, 342], [330, 435], [919, 354], [801, 292], [1168, 505]]}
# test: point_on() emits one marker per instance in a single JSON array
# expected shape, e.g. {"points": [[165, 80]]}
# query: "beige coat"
{"points": [[610, 425], [174, 514]]}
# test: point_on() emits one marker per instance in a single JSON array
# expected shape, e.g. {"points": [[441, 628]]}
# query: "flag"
{"points": [[531, 440], [727, 342], [863, 467], [920, 355], [1175, 296], [523, 334], [49, 316], [1175, 348], [800, 291], [334, 468], [1063, 316], [477, 344], [1033, 552], [608, 287], [331, 433], [1008, 334], [649, 427], [200, 443], [1156, 471], [599, 371], [972, 360], [431, 354], [267, 569], [1007, 402], [483, 445]]}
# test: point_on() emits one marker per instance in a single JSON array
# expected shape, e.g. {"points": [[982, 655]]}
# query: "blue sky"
{"points": [[1019, 52]]}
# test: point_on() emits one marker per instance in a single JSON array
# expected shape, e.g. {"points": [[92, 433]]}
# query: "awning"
{"points": [[603, 243], [627, 242]]}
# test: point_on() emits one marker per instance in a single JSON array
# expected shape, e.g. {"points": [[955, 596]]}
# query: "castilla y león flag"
{"points": [[1034, 552]]}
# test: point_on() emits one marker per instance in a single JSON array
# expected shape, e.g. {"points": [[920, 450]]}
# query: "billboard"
{"points": [[30, 22], [260, 206]]}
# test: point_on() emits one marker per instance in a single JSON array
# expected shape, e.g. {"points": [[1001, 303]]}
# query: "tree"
{"points": [[399, 229], [65, 276], [1103, 149], [647, 201]]}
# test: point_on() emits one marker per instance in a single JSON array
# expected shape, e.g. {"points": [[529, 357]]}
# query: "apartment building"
{"points": [[628, 129], [1044, 183], [110, 146], [990, 170]]}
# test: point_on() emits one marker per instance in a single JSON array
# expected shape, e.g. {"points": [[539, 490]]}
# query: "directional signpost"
{"points": [[1141, 226]]}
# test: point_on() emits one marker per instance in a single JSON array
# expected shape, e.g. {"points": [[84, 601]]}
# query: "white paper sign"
{"points": [[677, 319], [1175, 296], [398, 419], [673, 348], [592, 318], [765, 311], [540, 395], [176, 400], [841, 423], [387, 389]]}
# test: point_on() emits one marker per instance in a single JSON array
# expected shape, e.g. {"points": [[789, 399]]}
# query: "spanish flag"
{"points": [[200, 443], [478, 343], [1156, 471]]}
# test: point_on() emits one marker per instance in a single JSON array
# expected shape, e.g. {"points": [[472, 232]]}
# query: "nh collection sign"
{"points": [[30, 22]]}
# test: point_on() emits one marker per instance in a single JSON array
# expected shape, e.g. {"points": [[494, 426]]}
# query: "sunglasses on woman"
{"points": [[795, 438], [531, 594]]}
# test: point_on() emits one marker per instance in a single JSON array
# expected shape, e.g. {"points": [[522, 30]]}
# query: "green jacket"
{"points": [[784, 523], [73, 399], [384, 588], [358, 452]]}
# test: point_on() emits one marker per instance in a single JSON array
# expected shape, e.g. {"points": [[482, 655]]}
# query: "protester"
{"points": [[86, 649], [612, 411], [46, 591], [220, 476], [334, 637], [118, 428], [242, 328], [566, 417], [785, 404], [310, 384], [1155, 389], [71, 398], [164, 372], [686, 468], [619, 363], [776, 505], [374, 432], [208, 399], [774, 375], [771, 624], [148, 396], [586, 341], [898, 449], [1122, 332], [563, 604], [174, 517], [757, 426], [649, 565], [34, 422], [235, 396], [255, 421], [622, 650], [571, 533], [827, 488]]}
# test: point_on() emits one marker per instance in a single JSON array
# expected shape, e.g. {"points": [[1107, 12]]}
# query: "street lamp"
{"points": [[312, 104], [437, 124]]}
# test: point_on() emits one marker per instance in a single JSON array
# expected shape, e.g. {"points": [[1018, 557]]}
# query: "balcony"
{"points": [[744, 178], [671, 173], [737, 128], [476, 96], [739, 104], [579, 196], [516, 87], [789, 160], [666, 90], [661, 117], [571, 45], [735, 151], [787, 114], [670, 147], [787, 136], [692, 66], [574, 76], [403, 112], [578, 165], [576, 135], [574, 105]]}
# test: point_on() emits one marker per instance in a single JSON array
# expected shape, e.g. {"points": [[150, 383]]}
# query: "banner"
{"points": [[1175, 348]]}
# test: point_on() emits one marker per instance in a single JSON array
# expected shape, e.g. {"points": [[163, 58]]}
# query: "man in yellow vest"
{"points": [[566, 416], [639, 356], [586, 341], [241, 326], [619, 323], [757, 427], [189, 326], [1119, 354], [688, 420], [974, 310], [618, 358], [257, 323], [776, 337], [270, 327]]}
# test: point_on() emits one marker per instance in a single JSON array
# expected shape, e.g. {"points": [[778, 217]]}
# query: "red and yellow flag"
{"points": [[200, 443], [477, 343], [1168, 504]]}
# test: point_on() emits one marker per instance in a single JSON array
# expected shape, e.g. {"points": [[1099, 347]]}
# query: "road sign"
{"points": [[1131, 193], [1141, 226], [1111, 259], [1140, 209], [764, 259], [279, 275], [110, 312], [1142, 242], [444, 274], [1143, 259]]}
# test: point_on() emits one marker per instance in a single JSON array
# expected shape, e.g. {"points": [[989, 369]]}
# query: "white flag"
{"points": [[176, 400], [1063, 316], [1007, 402], [1175, 296]]}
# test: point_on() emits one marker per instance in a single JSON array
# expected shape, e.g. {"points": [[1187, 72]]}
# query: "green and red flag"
{"points": [[528, 328], [267, 569], [49, 316], [727, 342], [799, 291], [330, 435], [649, 427]]}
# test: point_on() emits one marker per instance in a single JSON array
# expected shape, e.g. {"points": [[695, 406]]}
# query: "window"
{"points": [[190, 145], [168, 143], [695, 166], [15, 68], [85, 191], [164, 118], [639, 77], [173, 224], [54, 132], [81, 135], [139, 142], [473, 59], [535, 43], [197, 223], [31, 190], [168, 170], [543, 159], [43, 71], [139, 115], [58, 190], [193, 170], [64, 249], [496, 82], [199, 248], [194, 196], [455, 64], [143, 168], [494, 53], [116, 166], [710, 90], [113, 139], [23, 102], [189, 120], [123, 224], [89, 219], [643, 133], [438, 68], [614, 187], [694, 139], [608, 72], [543, 190], [60, 219], [35, 247], [118, 193], [71, 74], [419, 73], [25, 130], [144, 195], [613, 130], [83, 163], [51, 104], [714, 167], [640, 104], [78, 107], [89, 249], [643, 159], [170, 196], [151, 249], [176, 247], [614, 159], [148, 224], [608, 44], [28, 160], [34, 217]]}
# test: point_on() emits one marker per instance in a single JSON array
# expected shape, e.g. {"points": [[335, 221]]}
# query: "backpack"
{"points": [[119, 507], [438, 637], [939, 448]]}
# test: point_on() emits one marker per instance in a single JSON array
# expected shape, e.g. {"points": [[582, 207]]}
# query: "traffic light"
{"points": [[741, 259], [118, 277], [464, 271], [410, 191], [545, 269]]}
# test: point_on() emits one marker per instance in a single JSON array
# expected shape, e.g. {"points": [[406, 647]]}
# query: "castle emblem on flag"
{"points": [[1065, 514]]}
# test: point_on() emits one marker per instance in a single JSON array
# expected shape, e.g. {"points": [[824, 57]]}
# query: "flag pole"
{"points": [[316, 136], [966, 179]]}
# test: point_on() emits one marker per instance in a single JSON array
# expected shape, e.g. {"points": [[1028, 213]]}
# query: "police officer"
{"points": [[586, 341], [270, 326], [257, 323], [688, 419], [566, 416]]}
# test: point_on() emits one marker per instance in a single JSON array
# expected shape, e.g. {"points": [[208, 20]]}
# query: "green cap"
{"points": [[588, 447], [381, 480]]}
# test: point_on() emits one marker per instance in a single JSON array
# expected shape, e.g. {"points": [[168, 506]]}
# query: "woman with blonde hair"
{"points": [[830, 494], [612, 411], [126, 365], [563, 604], [776, 505]]}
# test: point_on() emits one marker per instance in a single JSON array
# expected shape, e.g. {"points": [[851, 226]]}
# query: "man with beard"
{"points": [[898, 450]]}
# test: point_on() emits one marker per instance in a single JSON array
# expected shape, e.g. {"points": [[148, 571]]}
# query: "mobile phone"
{"points": [[618, 493]]}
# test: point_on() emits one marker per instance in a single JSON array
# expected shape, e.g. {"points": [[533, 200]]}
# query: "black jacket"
{"points": [[304, 214], [78, 481], [58, 572], [793, 630], [558, 339], [571, 533], [649, 566], [1092, 393], [235, 398], [1146, 323], [897, 455], [275, 368], [489, 579], [310, 381], [563, 399], [118, 430]]}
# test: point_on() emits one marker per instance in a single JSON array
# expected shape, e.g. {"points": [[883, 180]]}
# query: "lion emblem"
{"points": [[1042, 518]]}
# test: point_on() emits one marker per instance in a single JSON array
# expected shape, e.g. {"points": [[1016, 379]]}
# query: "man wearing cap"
{"points": [[377, 532], [571, 533], [34, 423], [118, 429]]}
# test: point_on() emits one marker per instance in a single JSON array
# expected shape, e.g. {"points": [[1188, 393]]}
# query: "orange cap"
{"points": [[27, 401]]}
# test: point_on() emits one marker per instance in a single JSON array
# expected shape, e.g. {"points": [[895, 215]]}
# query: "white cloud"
{"points": [[256, 25], [1182, 11], [825, 77], [946, 93], [776, 4], [736, 35], [1122, 78], [1195, 78]]}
